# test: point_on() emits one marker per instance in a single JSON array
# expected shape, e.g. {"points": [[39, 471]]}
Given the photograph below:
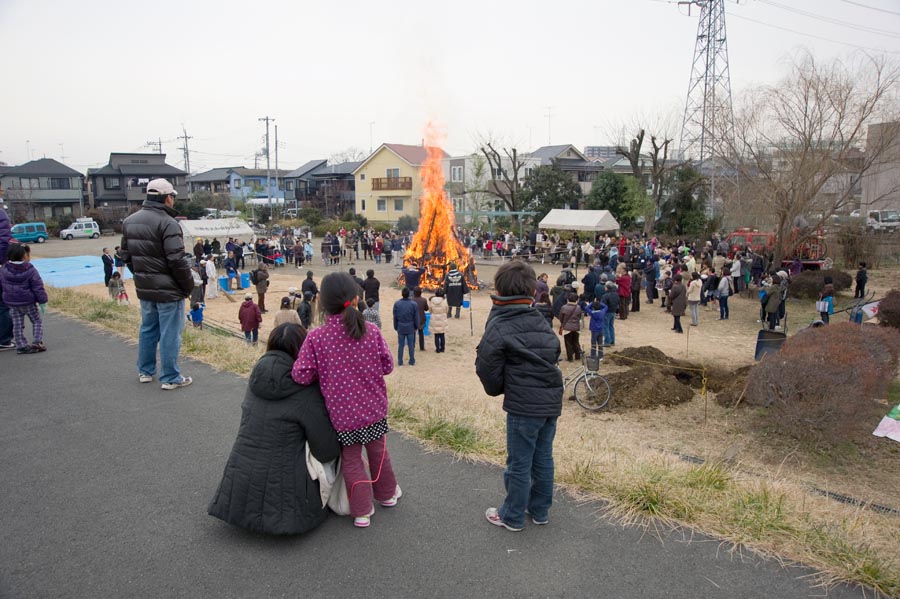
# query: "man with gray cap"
{"points": [[153, 249]]}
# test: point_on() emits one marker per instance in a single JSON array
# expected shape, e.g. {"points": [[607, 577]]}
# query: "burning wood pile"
{"points": [[436, 245]]}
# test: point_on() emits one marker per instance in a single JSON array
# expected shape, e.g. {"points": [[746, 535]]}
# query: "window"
{"points": [[362, 206], [29, 183], [393, 173], [59, 183], [529, 171], [497, 173], [362, 176], [382, 205], [398, 204], [112, 183], [289, 185], [456, 174], [237, 183]]}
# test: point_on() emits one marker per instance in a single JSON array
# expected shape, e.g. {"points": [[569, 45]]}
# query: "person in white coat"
{"points": [[212, 285], [439, 319]]}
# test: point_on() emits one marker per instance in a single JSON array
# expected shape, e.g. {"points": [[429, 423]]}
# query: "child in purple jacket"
{"points": [[349, 358], [23, 291]]}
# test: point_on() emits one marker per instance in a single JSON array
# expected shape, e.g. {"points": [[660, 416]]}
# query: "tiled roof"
{"points": [[44, 166], [415, 155], [259, 172], [305, 169], [344, 168], [216, 174]]}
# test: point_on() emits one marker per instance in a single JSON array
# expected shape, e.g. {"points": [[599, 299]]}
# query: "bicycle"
{"points": [[591, 389]]}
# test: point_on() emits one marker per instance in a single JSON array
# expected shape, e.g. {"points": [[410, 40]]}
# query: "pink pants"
{"points": [[354, 470]]}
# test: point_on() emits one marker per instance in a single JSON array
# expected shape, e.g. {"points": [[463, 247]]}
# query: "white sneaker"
{"points": [[145, 378], [184, 382], [393, 500]]}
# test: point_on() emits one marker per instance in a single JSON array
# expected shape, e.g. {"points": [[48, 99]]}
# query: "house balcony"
{"points": [[391, 183]]}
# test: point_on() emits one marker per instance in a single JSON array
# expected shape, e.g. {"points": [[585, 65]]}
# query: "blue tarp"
{"points": [[72, 271]]}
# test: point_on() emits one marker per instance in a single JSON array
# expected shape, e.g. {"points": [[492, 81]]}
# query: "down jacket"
{"points": [[21, 285], [517, 356], [266, 486], [438, 307], [153, 249]]}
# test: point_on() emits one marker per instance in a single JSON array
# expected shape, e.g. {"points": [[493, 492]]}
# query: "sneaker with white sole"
{"points": [[363, 521], [145, 378], [6, 346], [393, 500], [536, 521], [493, 516], [184, 382]]}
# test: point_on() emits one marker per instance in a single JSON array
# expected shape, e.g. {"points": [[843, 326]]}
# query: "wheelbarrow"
{"points": [[769, 342]]}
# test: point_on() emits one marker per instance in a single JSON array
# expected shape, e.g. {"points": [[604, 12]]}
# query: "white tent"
{"points": [[580, 220], [219, 227]]}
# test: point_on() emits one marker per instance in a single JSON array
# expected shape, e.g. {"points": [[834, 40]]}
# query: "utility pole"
{"points": [[549, 116], [157, 143], [276, 167], [268, 188], [187, 158]]}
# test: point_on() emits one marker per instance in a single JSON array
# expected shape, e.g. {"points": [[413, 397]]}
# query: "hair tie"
{"points": [[347, 303]]}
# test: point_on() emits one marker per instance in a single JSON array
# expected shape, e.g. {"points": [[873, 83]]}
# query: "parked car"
{"points": [[83, 227], [30, 232]]}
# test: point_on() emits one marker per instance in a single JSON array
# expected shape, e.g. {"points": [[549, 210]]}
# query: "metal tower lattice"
{"points": [[707, 132]]}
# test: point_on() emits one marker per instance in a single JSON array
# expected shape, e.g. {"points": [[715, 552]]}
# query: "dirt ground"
{"points": [[685, 421]]}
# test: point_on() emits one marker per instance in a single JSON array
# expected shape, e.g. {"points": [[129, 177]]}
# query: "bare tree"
{"points": [[801, 144], [351, 154], [658, 169], [506, 167]]}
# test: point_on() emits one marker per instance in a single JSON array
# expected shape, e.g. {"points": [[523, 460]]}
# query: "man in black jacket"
{"points": [[153, 249], [455, 288], [517, 357]]}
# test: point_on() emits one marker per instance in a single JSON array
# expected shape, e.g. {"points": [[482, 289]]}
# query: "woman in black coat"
{"points": [[266, 486]]}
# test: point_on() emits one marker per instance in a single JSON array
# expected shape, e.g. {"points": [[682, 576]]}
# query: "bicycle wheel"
{"points": [[592, 392]]}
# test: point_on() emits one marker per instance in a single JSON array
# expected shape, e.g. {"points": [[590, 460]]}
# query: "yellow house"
{"points": [[388, 184]]}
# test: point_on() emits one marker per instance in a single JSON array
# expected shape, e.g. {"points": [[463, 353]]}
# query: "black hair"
{"points": [[572, 297], [678, 278], [515, 278], [17, 252], [596, 305], [352, 271], [117, 275], [338, 294], [370, 302], [404, 292], [828, 280], [545, 298], [695, 275], [309, 274], [439, 292], [862, 264], [287, 337], [196, 306], [285, 302], [417, 291], [370, 273]]}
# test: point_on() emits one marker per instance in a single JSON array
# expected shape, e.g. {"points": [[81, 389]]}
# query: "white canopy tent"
{"points": [[222, 228], [580, 220]]}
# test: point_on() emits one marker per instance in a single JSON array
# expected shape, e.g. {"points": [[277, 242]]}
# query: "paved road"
{"points": [[105, 483]]}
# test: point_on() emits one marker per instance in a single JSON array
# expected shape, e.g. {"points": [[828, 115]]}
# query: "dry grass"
{"points": [[606, 456]]}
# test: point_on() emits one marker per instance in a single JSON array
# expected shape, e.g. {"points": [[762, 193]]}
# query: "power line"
{"points": [[818, 37], [831, 20], [890, 12]]}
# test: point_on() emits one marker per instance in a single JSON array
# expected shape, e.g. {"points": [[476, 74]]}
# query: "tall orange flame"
{"points": [[436, 244]]}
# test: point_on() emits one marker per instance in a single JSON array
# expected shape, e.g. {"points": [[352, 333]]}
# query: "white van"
{"points": [[83, 227]]}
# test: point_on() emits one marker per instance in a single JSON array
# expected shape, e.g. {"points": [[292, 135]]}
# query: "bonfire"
{"points": [[436, 245]]}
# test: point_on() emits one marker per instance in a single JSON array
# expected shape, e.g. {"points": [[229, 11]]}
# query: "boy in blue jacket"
{"points": [[517, 358], [597, 313]]}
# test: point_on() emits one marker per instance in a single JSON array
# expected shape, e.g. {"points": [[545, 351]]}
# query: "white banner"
{"points": [[219, 227]]}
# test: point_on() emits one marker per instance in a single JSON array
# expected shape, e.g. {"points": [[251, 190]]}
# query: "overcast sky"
{"points": [[92, 77]]}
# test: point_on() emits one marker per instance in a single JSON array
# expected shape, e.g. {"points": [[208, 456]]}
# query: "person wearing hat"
{"points": [[250, 318], [153, 249]]}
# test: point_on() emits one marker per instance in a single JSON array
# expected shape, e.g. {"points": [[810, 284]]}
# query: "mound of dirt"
{"points": [[687, 373], [645, 387], [728, 392]]}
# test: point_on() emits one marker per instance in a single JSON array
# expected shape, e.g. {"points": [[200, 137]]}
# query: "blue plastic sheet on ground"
{"points": [[72, 270]]}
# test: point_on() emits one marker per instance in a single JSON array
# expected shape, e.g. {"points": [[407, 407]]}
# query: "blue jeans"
{"points": [[528, 477], [610, 333], [161, 325], [723, 307], [596, 343], [410, 342], [6, 334], [251, 336]]}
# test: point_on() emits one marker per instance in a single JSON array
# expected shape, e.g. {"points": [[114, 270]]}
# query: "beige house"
{"points": [[388, 184]]}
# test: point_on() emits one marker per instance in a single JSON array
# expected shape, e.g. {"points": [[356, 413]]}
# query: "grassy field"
{"points": [[768, 510]]}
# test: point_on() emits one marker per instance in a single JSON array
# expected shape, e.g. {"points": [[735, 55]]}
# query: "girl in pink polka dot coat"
{"points": [[349, 358]]}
